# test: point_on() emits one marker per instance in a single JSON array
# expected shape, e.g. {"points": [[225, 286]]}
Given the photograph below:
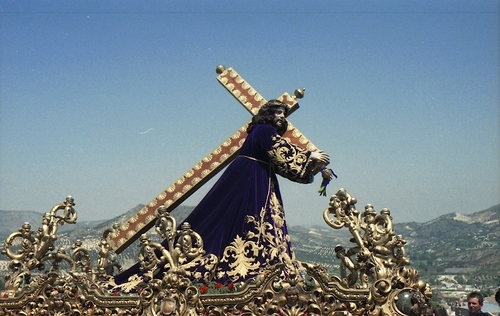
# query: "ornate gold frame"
{"points": [[374, 279]]}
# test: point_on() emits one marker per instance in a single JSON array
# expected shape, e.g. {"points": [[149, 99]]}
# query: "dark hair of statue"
{"points": [[266, 116]]}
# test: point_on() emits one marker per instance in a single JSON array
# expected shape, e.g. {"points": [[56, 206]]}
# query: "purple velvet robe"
{"points": [[241, 219]]}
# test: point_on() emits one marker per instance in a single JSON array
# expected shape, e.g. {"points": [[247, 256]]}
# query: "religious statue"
{"points": [[241, 219]]}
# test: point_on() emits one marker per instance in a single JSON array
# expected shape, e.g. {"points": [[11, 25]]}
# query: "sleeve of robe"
{"points": [[291, 161]]}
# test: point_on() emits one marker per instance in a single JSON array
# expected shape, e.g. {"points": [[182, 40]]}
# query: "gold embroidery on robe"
{"points": [[266, 242], [289, 160], [260, 245]]}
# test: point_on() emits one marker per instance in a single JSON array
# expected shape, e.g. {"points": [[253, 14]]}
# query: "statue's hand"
{"points": [[320, 156]]}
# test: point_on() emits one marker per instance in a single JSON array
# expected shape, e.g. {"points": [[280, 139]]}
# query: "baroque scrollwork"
{"points": [[181, 252], [374, 278], [36, 248], [377, 260]]}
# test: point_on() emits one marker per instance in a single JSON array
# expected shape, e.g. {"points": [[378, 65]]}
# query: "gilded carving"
{"points": [[133, 219], [374, 277], [205, 173], [195, 181], [171, 188], [186, 188], [126, 226], [130, 233]]}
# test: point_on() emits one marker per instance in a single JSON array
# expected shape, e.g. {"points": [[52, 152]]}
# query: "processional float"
{"points": [[374, 278]]}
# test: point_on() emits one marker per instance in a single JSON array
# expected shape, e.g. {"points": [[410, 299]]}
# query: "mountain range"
{"points": [[452, 244]]}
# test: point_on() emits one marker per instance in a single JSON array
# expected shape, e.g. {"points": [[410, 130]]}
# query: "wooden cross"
{"points": [[208, 167]]}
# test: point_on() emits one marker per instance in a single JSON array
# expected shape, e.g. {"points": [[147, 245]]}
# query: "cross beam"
{"points": [[208, 167]]}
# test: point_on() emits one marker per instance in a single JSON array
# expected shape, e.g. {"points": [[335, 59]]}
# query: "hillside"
{"points": [[10, 221], [454, 243]]}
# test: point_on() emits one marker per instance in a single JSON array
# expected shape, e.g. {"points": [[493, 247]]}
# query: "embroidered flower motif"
{"points": [[203, 289], [216, 288]]}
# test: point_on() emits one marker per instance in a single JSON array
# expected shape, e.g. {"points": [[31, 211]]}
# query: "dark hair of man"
{"points": [[440, 311], [497, 297], [266, 116], [477, 295]]}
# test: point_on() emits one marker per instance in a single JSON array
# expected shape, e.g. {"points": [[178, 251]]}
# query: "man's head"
{"points": [[272, 113], [497, 297], [474, 302]]}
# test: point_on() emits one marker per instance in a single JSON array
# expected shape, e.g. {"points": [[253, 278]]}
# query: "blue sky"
{"points": [[112, 101]]}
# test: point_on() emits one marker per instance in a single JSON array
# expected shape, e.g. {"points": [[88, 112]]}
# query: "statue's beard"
{"points": [[279, 123], [281, 126]]}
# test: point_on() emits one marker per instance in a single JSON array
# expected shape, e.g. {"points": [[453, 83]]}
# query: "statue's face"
{"points": [[58, 302], [279, 117], [186, 242], [167, 307], [292, 297]]}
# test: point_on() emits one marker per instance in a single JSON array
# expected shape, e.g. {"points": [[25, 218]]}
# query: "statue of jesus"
{"points": [[241, 218]]}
